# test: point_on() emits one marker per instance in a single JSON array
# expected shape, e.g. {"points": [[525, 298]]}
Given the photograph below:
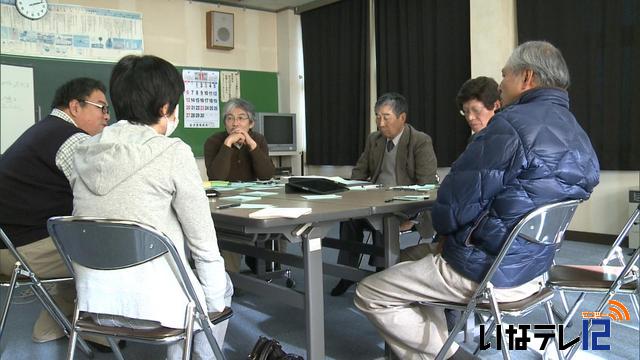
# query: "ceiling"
{"points": [[273, 5]]}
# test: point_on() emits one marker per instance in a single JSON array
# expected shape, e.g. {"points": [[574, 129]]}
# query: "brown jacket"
{"points": [[416, 161], [233, 164]]}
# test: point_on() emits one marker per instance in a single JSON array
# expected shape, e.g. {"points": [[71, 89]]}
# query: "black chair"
{"points": [[104, 244], [545, 225], [23, 276]]}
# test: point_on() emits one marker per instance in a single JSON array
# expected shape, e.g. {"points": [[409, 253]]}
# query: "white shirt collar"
{"points": [[63, 115], [396, 139]]}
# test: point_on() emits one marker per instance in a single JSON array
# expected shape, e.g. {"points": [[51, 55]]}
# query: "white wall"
{"points": [[175, 30]]}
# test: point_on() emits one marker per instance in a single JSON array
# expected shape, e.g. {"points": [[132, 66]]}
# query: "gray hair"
{"points": [[242, 104], [397, 102], [545, 60]]}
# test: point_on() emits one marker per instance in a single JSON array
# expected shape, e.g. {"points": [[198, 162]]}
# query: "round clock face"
{"points": [[32, 9]]}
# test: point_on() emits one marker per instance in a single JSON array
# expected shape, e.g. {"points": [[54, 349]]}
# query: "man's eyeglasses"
{"points": [[231, 118], [102, 107]]}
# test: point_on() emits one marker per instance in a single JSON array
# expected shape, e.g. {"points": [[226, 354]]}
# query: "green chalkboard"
{"points": [[258, 87]]}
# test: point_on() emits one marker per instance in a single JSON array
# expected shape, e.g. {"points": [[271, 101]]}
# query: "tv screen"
{"points": [[279, 130]]}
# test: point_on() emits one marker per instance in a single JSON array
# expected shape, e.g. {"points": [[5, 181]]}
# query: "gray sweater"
{"points": [[130, 172]]}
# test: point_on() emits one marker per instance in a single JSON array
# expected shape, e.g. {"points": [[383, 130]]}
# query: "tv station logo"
{"points": [[519, 336]]}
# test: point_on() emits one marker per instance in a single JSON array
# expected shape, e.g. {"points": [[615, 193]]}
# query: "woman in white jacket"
{"points": [[133, 171]]}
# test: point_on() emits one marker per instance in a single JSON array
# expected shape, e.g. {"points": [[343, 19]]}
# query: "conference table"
{"points": [[238, 232]]}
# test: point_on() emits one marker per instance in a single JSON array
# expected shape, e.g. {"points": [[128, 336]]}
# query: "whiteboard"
{"points": [[17, 105]]}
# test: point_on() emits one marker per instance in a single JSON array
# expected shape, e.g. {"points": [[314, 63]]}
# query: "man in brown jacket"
{"points": [[396, 154]]}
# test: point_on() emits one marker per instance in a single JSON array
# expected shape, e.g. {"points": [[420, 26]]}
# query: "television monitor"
{"points": [[279, 129]]}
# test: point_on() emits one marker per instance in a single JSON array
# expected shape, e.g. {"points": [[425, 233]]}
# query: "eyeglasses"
{"points": [[231, 118], [473, 111], [102, 107]]}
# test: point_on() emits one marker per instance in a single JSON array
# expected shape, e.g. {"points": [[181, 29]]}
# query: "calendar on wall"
{"points": [[201, 98]]}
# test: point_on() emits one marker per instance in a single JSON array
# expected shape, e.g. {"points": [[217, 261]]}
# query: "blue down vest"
{"points": [[532, 153]]}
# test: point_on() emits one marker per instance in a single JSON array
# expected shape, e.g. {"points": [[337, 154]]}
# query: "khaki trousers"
{"points": [[389, 299], [44, 260]]}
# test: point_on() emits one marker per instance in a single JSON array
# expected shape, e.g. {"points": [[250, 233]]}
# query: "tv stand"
{"points": [[292, 159]]}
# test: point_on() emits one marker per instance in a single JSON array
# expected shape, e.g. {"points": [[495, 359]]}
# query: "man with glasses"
{"points": [[478, 100], [34, 185], [238, 154]]}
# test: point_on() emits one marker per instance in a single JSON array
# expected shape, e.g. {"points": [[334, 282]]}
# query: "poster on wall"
{"points": [[229, 85], [71, 32], [201, 105]]}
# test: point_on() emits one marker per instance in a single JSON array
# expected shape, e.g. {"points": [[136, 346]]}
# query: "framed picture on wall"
{"points": [[219, 30]]}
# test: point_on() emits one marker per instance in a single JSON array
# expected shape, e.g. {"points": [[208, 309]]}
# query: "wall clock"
{"points": [[32, 9]]}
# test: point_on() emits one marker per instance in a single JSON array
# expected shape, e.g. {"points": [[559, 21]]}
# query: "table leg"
{"points": [[314, 301], [391, 236]]}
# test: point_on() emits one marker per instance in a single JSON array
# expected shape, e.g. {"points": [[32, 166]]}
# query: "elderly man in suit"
{"points": [[396, 154]]}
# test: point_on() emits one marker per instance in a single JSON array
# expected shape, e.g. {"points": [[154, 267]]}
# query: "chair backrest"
{"points": [[615, 252], [103, 244], [545, 225], [107, 244]]}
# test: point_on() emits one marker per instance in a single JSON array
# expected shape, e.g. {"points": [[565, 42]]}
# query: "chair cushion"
{"points": [[86, 323], [524, 305], [218, 317], [595, 278], [516, 308]]}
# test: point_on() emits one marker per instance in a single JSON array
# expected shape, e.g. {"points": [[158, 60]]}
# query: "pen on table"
{"points": [[226, 206], [389, 200]]}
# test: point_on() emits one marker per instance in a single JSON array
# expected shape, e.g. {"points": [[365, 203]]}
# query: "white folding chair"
{"points": [[546, 226], [23, 276], [104, 244]]}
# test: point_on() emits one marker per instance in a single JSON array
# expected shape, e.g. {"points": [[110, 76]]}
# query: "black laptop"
{"points": [[313, 185]]}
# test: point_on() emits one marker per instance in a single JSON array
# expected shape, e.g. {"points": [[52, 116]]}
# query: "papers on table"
{"points": [[265, 187], [426, 187], [365, 187], [321, 197], [254, 206], [411, 197], [274, 212], [241, 198], [259, 193]]}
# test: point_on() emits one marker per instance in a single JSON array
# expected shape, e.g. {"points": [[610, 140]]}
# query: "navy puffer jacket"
{"points": [[532, 153]]}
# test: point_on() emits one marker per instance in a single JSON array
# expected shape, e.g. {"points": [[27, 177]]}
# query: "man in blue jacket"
{"points": [[531, 154]]}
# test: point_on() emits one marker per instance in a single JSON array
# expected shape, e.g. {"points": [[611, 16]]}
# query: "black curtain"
{"points": [[600, 40], [335, 42], [422, 52]]}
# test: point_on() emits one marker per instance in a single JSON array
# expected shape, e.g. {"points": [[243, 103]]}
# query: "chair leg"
{"points": [[188, 337], [574, 309], [7, 305], [456, 329], [114, 346], [50, 305], [498, 319], [551, 319], [492, 326], [206, 327], [74, 335]]}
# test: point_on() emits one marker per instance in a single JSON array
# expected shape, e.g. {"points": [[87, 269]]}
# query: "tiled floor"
{"points": [[348, 333]]}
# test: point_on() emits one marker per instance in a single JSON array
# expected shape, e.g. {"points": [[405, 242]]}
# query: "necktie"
{"points": [[390, 145]]}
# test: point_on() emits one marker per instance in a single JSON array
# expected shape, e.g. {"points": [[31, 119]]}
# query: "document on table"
{"points": [[254, 206], [259, 193], [321, 197], [241, 198], [276, 212]]}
